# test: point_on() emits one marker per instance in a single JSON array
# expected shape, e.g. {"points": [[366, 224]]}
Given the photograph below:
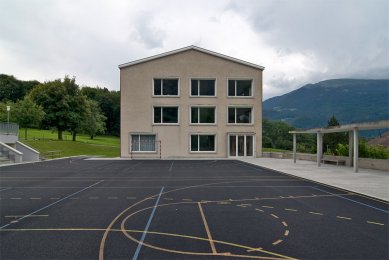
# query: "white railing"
{"points": [[9, 128]]}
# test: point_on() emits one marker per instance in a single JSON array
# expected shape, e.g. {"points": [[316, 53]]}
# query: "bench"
{"points": [[52, 154], [334, 160]]}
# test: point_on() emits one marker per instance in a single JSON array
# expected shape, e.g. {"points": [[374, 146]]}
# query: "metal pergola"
{"points": [[352, 129]]}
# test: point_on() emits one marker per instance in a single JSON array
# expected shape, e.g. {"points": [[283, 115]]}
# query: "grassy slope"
{"points": [[46, 140]]}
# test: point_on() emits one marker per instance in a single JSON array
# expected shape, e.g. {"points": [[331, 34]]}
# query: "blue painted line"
{"points": [[56, 202], [367, 205], [147, 227]]}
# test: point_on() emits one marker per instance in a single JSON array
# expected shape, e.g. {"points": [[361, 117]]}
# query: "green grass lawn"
{"points": [[46, 140]]}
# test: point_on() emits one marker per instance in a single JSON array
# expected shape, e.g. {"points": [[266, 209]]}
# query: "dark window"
{"points": [[239, 115], [165, 87], [239, 88], [165, 115], [202, 143], [203, 87], [202, 115]]}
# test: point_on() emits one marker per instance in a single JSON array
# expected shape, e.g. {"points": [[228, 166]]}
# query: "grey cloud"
{"points": [[145, 32]]}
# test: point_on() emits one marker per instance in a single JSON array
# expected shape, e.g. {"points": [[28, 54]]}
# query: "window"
{"points": [[239, 88], [202, 115], [165, 115], [203, 87], [165, 87], [239, 115], [202, 143], [143, 143]]}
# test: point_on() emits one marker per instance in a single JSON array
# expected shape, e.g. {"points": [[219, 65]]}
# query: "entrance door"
{"points": [[241, 145]]}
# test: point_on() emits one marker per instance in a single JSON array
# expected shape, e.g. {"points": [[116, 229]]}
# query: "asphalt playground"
{"points": [[78, 208]]}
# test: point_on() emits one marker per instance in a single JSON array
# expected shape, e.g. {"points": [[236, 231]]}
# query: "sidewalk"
{"points": [[372, 183]]}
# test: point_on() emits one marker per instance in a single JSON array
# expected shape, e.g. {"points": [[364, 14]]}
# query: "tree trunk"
{"points": [[25, 133], [91, 137], [60, 134], [74, 133]]}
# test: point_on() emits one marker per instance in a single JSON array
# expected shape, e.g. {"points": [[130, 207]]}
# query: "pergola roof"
{"points": [[345, 128]]}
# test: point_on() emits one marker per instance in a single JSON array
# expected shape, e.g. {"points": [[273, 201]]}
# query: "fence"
{"points": [[145, 149], [11, 128]]}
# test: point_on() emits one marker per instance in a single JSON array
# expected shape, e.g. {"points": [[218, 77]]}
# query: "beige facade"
{"points": [[192, 120]]}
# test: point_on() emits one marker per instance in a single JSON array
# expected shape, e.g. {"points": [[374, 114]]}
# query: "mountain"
{"points": [[350, 100]]}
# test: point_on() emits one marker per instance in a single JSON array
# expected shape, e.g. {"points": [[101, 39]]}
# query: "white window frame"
{"points": [[198, 86], [241, 106], [202, 106], [198, 140], [166, 96], [162, 106], [140, 134], [235, 96]]}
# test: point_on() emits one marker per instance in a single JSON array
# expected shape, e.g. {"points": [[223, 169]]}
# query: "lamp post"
{"points": [[8, 109]]}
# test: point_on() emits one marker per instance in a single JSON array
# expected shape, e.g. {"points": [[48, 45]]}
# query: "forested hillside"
{"points": [[350, 100], [58, 97]]}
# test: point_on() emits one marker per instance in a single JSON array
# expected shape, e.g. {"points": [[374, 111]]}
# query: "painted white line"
{"points": [[147, 227], [52, 204], [171, 166], [6, 189]]}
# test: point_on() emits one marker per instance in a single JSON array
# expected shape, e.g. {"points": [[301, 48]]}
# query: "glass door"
{"points": [[241, 145]]}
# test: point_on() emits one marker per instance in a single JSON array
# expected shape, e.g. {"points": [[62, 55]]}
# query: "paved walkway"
{"points": [[373, 183]]}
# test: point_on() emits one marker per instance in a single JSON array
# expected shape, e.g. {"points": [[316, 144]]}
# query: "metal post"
{"points": [[294, 148], [356, 149], [8, 109], [319, 148], [350, 148]]}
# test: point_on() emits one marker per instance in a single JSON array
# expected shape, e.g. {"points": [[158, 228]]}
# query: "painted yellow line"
{"points": [[316, 213], [284, 223], [344, 217], [277, 242], [255, 249], [277, 256], [259, 210], [207, 229], [375, 223], [54, 198], [291, 209], [286, 233], [269, 207], [274, 216]]}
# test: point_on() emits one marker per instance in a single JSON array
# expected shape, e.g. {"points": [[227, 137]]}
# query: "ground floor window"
{"points": [[143, 143], [202, 143]]}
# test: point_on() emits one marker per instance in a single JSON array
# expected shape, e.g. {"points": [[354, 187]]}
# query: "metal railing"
{"points": [[9, 128]]}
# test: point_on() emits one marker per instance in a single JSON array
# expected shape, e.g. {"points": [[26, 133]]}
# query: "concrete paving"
{"points": [[372, 183]]}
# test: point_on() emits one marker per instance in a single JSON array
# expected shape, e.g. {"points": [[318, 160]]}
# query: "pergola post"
{"points": [[350, 148], [319, 148], [294, 148], [355, 149]]}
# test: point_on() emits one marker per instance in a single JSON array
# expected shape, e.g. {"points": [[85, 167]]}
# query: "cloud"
{"points": [[298, 42]]}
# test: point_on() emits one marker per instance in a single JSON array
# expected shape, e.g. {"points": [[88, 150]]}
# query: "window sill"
{"points": [[240, 124], [166, 124], [197, 152], [240, 96], [203, 96], [203, 124], [166, 96], [150, 152]]}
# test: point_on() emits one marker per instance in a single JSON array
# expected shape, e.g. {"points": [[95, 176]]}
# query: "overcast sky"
{"points": [[298, 42]]}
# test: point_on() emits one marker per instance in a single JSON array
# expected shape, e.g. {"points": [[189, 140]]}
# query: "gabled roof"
{"points": [[192, 47]]}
